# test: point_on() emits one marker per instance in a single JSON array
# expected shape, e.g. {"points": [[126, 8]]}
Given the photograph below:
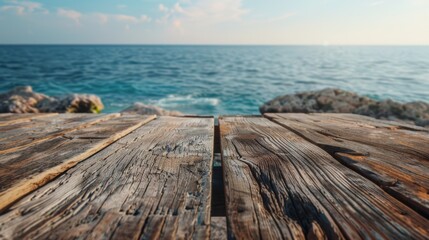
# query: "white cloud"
{"points": [[131, 19], [177, 8], [72, 14], [219, 10], [18, 9], [202, 12], [279, 18], [162, 8], [144, 18], [23, 7], [126, 18], [30, 6], [102, 18]]}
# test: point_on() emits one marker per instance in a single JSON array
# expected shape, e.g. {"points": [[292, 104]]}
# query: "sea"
{"points": [[214, 80]]}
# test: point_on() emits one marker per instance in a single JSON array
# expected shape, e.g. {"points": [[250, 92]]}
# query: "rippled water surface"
{"points": [[214, 79]]}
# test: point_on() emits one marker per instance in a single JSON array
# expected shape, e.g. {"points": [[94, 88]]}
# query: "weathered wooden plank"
{"points": [[218, 228], [24, 134], [4, 115], [153, 183], [396, 157], [8, 118], [366, 121], [280, 186], [27, 169]]}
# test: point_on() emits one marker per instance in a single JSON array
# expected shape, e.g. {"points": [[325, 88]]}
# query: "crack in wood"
{"points": [[297, 190], [383, 161]]}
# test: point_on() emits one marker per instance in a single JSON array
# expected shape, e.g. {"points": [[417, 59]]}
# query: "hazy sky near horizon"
{"points": [[319, 22]]}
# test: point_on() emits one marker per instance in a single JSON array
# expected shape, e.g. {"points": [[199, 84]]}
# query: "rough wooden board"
{"points": [[27, 169], [218, 228], [24, 134], [153, 183], [369, 121], [280, 186], [394, 157], [8, 118]]}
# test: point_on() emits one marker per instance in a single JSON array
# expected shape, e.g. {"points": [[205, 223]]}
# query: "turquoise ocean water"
{"points": [[214, 80]]}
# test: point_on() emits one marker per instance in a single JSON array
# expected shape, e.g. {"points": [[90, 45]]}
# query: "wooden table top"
{"points": [[277, 176]]}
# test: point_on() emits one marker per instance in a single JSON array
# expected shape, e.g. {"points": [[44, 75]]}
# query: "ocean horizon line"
{"points": [[213, 45]]}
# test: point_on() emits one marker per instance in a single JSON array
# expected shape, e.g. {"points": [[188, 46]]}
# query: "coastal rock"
{"points": [[21, 100], [339, 101], [143, 109], [73, 103], [24, 100]]}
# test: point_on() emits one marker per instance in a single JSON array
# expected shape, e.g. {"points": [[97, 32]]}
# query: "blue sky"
{"points": [[319, 22]]}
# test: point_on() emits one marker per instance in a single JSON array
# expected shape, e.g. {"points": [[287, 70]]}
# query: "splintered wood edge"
{"points": [[205, 234], [25, 118], [25, 186], [64, 131]]}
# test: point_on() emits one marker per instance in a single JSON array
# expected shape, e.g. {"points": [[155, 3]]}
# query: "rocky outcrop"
{"points": [[73, 103], [24, 100], [340, 101], [143, 109]]}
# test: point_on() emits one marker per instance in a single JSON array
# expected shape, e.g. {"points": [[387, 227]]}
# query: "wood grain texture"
{"points": [[27, 169], [395, 156], [9, 118], [24, 134], [153, 183], [280, 186], [218, 228], [369, 121], [4, 116]]}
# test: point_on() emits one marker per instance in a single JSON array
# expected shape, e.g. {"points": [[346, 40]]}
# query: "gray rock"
{"points": [[24, 100], [143, 109], [340, 101]]}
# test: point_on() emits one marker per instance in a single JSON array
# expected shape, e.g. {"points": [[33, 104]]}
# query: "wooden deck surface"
{"points": [[282, 176]]}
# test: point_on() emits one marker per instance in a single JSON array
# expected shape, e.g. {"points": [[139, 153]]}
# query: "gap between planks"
{"points": [[218, 226]]}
